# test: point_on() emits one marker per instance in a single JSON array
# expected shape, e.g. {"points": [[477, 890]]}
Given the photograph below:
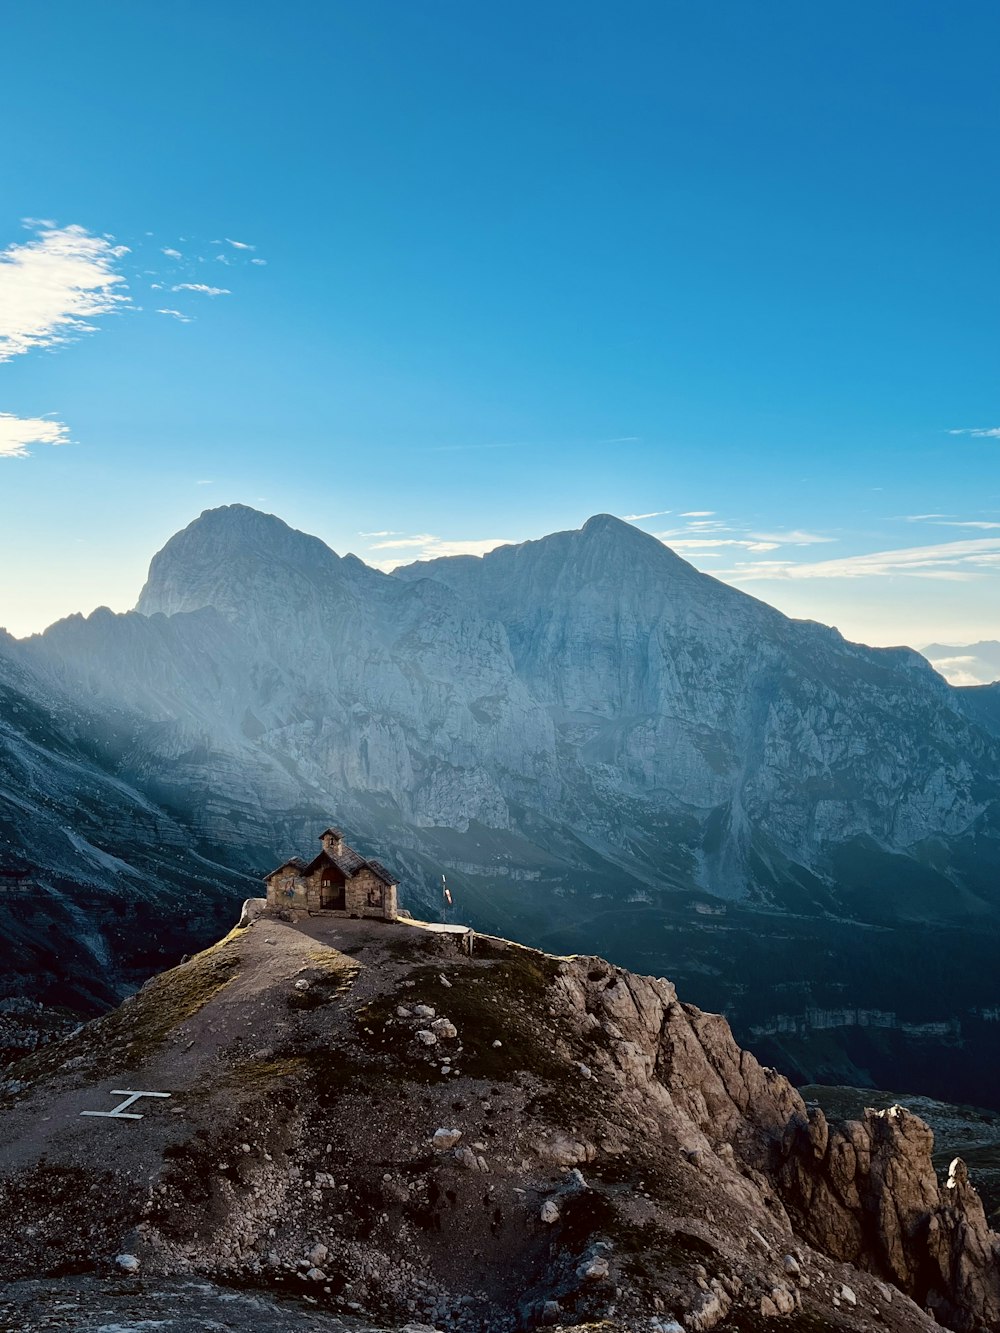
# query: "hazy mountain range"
{"points": [[603, 749]]}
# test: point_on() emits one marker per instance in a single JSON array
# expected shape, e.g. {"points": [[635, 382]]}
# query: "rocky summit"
{"points": [[603, 749], [353, 1124]]}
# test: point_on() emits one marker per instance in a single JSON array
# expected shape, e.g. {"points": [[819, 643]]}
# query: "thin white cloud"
{"points": [[702, 529], [201, 287], [924, 518], [387, 532], [52, 287], [176, 314], [422, 539], [425, 546], [793, 538], [698, 513], [239, 245], [637, 518], [207, 482], [259, 262], [953, 561], [982, 432], [709, 543], [18, 433], [171, 253], [962, 670], [968, 523]]}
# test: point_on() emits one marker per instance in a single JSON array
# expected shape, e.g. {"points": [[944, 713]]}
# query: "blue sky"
{"points": [[476, 272]]}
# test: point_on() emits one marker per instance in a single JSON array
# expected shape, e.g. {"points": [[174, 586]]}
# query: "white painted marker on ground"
{"points": [[120, 1112]]}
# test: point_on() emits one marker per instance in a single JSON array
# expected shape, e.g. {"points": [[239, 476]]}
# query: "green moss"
{"points": [[259, 1076], [135, 1031]]}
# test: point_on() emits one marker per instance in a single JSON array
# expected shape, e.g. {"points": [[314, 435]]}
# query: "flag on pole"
{"points": [[446, 891]]}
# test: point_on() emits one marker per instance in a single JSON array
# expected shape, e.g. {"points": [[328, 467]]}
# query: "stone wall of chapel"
{"points": [[286, 890], [367, 895]]}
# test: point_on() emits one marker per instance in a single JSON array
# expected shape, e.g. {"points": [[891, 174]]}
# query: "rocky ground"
{"points": [[135, 1305], [367, 1123]]}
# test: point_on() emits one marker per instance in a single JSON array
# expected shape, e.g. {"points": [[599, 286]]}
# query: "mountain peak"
{"points": [[220, 556], [606, 523], [607, 527]]}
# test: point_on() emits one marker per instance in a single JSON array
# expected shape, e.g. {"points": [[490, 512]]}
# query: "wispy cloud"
{"points": [[955, 561], [950, 521], [637, 518], [18, 433], [239, 245], [793, 538], [421, 539], [171, 253], [52, 287], [983, 432], [963, 670], [425, 546], [705, 532], [386, 532], [708, 543], [261, 263], [177, 314], [201, 287]]}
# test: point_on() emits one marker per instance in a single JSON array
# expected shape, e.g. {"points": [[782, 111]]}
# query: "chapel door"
{"points": [[331, 894]]}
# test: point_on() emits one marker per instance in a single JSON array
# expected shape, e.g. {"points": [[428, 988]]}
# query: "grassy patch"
{"points": [[135, 1031], [252, 1077]]}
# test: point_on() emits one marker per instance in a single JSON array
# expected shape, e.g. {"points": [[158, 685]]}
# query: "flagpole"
{"points": [[446, 900]]}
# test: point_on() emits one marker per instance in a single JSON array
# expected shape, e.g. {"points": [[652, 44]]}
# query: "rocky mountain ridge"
{"points": [[488, 1139], [600, 746]]}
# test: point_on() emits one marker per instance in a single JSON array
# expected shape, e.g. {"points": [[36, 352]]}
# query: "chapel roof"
{"points": [[296, 862], [347, 861]]}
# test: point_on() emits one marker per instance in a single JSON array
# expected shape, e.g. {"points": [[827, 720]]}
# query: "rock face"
{"points": [[681, 1186], [601, 747]]}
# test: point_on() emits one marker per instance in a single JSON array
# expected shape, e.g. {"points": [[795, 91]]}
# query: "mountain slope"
{"points": [[778, 736], [488, 1139], [112, 887], [601, 747]]}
